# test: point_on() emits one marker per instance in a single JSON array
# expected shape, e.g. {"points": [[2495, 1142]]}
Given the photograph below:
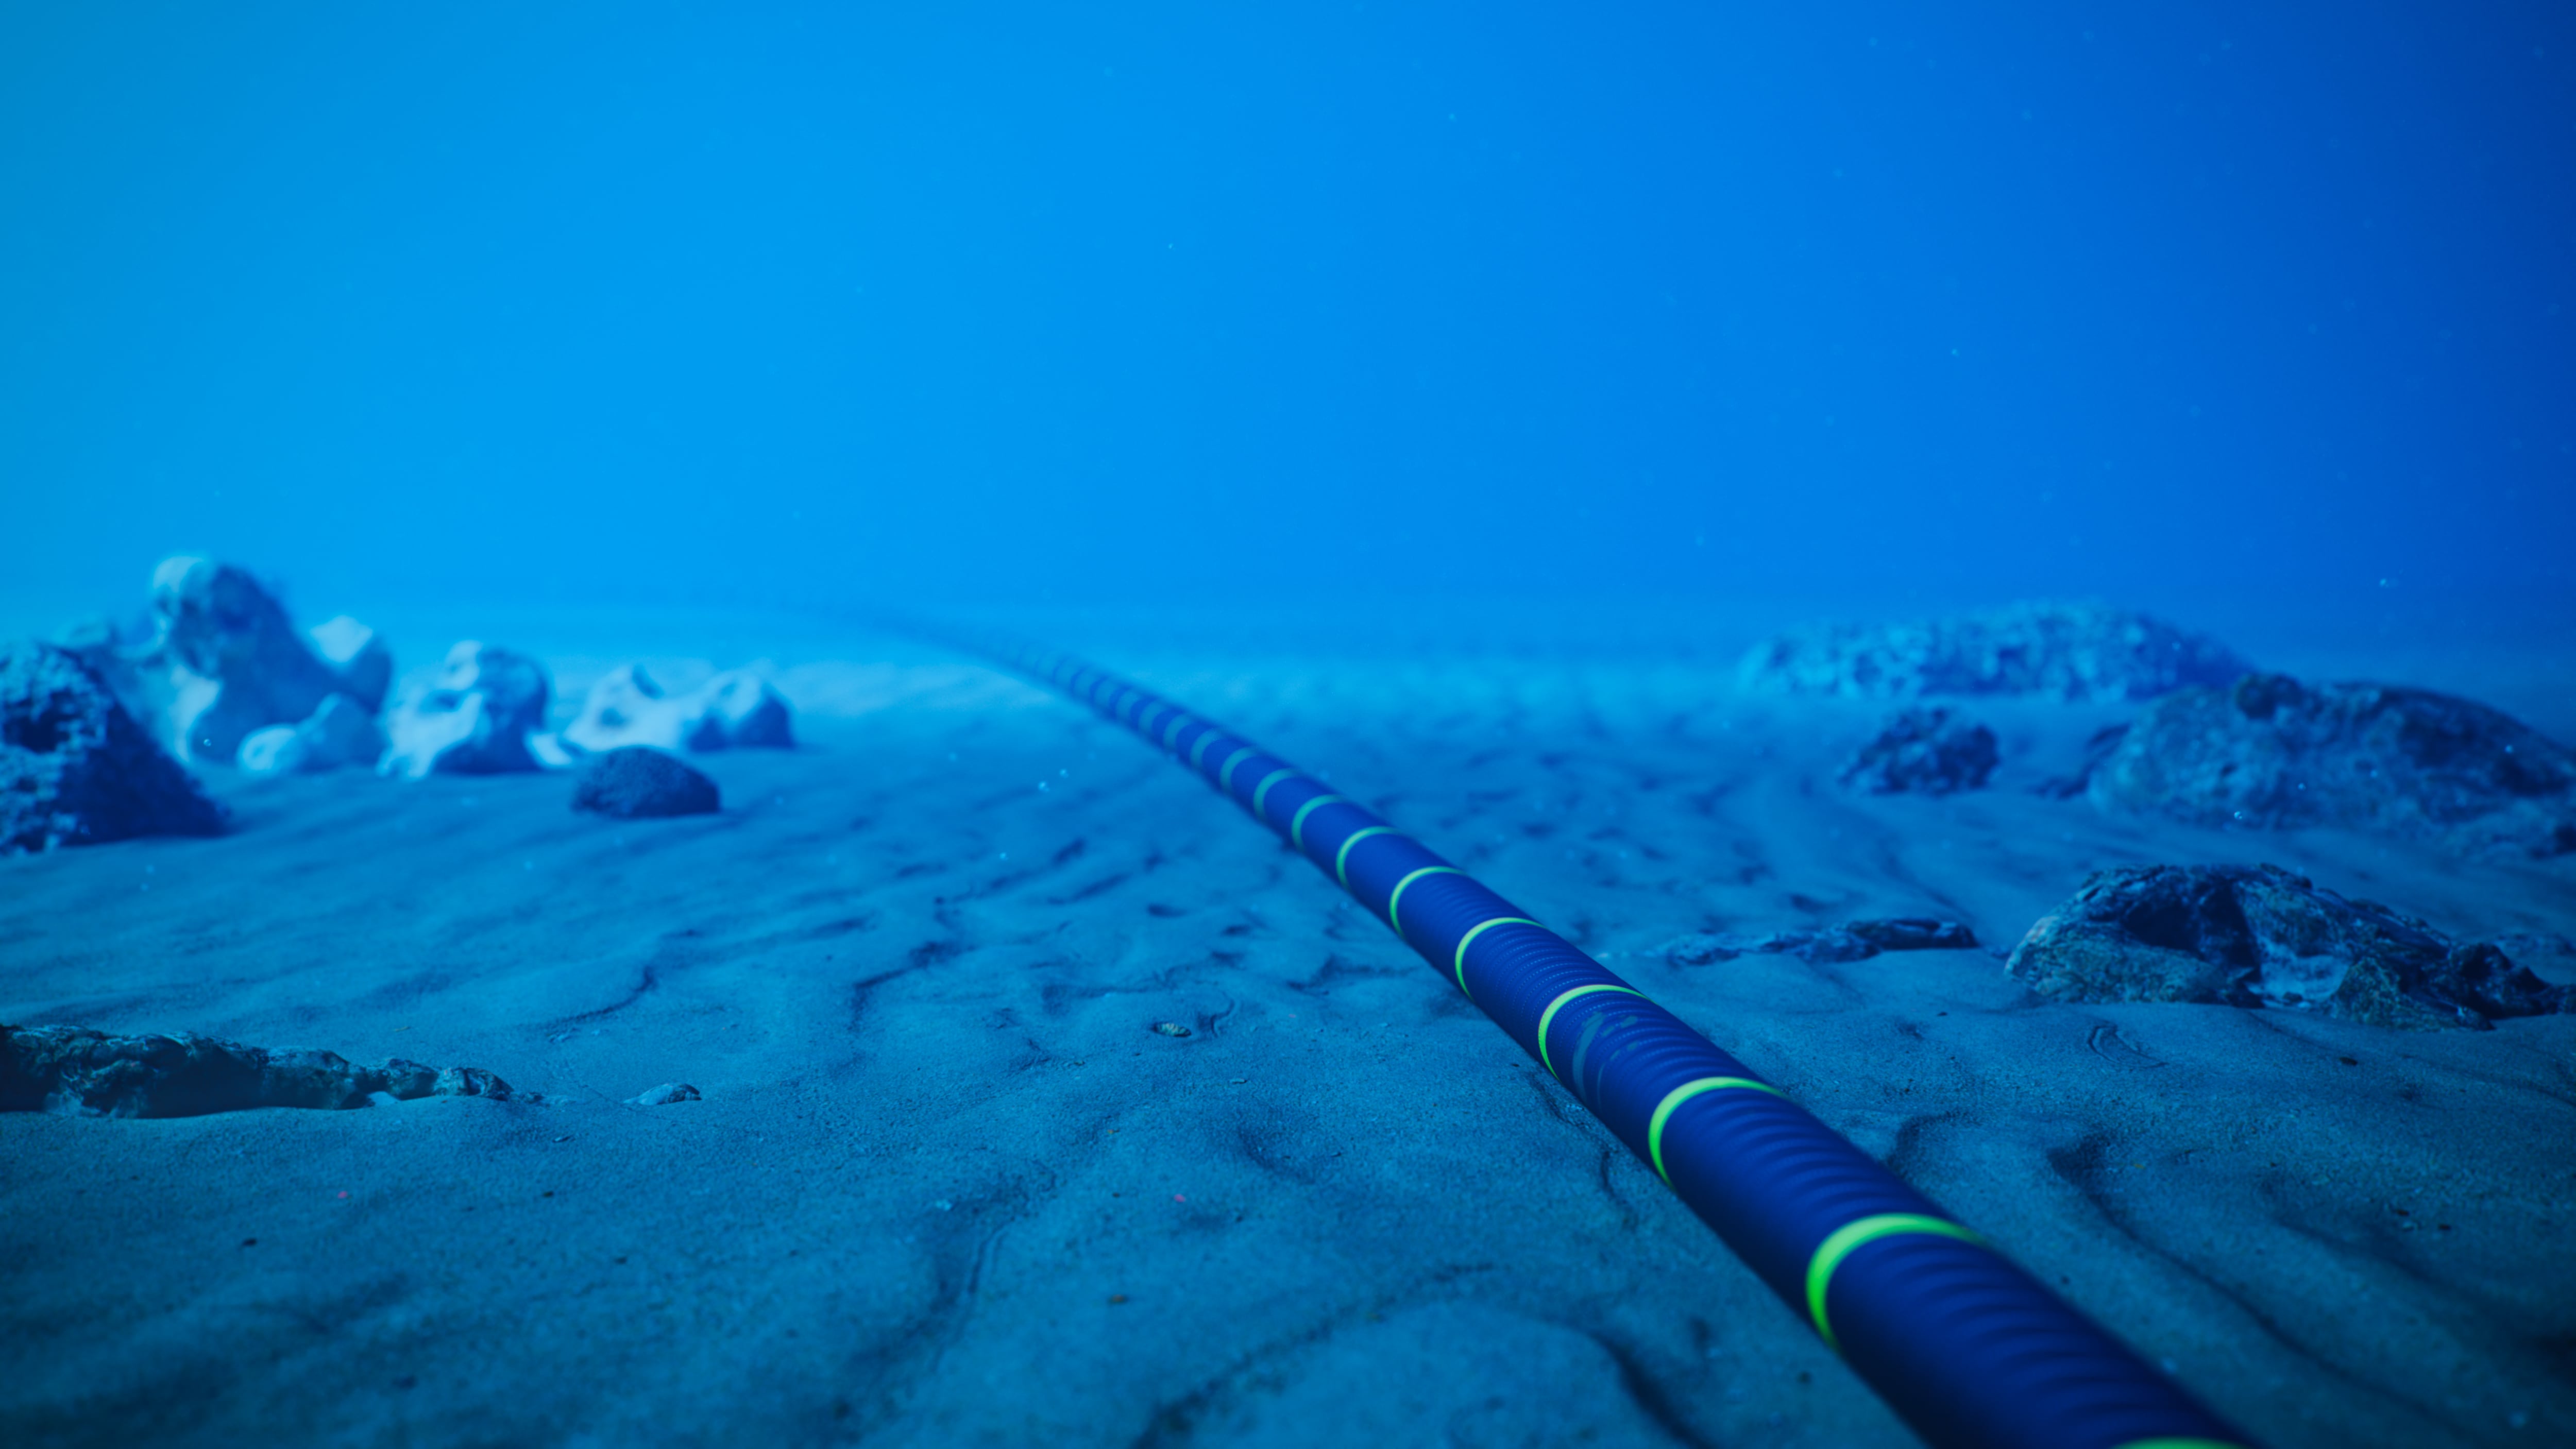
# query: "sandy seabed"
{"points": [[948, 1184]]}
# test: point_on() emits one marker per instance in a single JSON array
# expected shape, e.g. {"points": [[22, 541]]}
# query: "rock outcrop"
{"points": [[636, 783], [2268, 752], [359, 656], [1929, 750], [75, 767], [474, 717], [1855, 941], [2085, 652], [2256, 935], [735, 710], [340, 732], [81, 1073]]}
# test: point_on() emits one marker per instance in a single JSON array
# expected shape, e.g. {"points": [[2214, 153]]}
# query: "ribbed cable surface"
{"points": [[1964, 1345]]}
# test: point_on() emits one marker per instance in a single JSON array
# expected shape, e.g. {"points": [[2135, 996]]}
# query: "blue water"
{"points": [[836, 306], [1252, 348]]}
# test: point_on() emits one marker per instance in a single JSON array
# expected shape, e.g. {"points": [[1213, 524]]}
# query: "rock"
{"points": [[2256, 935], [276, 750], [234, 663], [735, 710], [1914, 933], [340, 732], [2545, 953], [473, 717], [750, 709], [1819, 948], [358, 654], [664, 1095], [81, 1073], [1703, 948], [625, 708], [1930, 750], [2270, 753], [2058, 651], [1855, 941], [75, 767], [127, 662], [637, 783]]}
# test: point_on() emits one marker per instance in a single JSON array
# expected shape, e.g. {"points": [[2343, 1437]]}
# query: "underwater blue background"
{"points": [[2185, 305]]}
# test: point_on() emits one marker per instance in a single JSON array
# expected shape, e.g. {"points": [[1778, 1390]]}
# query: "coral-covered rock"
{"points": [[340, 732], [1929, 750], [82, 1073], [637, 783], [2270, 753], [474, 717], [2246, 935], [2057, 651], [75, 767], [735, 710]]}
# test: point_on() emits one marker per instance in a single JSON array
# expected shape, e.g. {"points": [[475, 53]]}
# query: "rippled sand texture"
{"points": [[948, 1184]]}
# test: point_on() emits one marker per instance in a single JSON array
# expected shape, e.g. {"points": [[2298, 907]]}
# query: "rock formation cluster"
{"points": [[2088, 652], [223, 662], [101, 728]]}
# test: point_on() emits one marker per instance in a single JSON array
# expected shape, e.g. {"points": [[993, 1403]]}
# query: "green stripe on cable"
{"points": [[1342, 857], [1549, 1015], [1480, 928], [1225, 777], [1672, 1101], [1396, 895], [1297, 825], [1262, 791], [1831, 1252], [1200, 748]]}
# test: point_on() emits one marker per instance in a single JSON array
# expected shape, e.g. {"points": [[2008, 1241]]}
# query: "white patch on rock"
{"points": [[366, 666], [474, 717], [737, 709], [339, 732]]}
